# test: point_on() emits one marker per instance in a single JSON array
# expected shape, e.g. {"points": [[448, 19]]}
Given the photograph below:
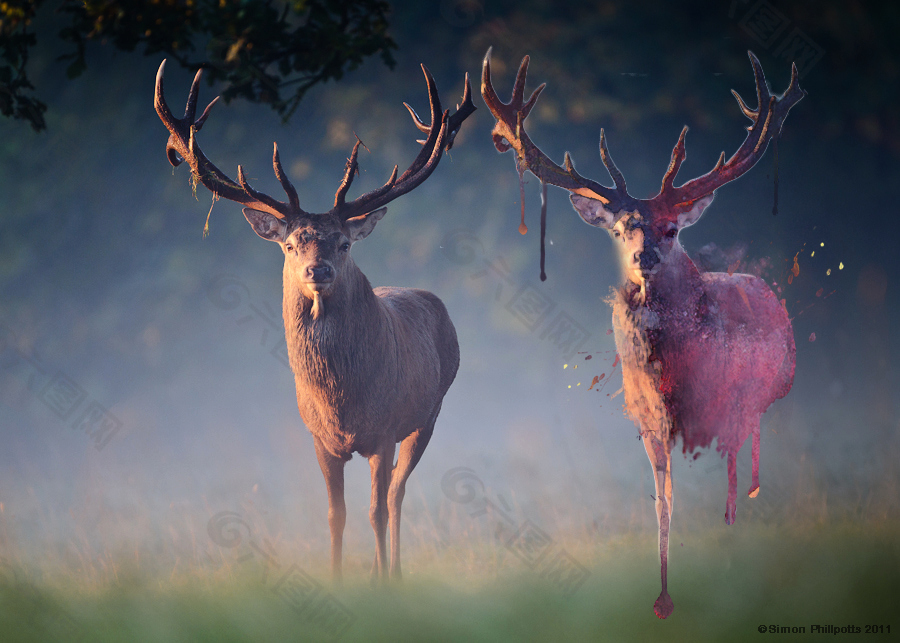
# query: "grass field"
{"points": [[725, 584]]}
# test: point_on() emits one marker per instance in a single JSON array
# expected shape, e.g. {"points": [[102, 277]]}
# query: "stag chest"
{"points": [[636, 329]]}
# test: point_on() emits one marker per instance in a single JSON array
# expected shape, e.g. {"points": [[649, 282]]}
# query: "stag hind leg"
{"points": [[731, 503], [333, 470], [380, 464], [411, 450], [659, 450]]}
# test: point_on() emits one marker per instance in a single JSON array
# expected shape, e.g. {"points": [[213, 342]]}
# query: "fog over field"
{"points": [[144, 385]]}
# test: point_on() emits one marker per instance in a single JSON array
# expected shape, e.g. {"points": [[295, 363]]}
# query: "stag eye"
{"points": [[616, 234], [671, 234], [345, 246], [288, 247]]}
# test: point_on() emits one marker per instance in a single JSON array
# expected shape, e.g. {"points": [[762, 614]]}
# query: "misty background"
{"points": [[143, 383]]}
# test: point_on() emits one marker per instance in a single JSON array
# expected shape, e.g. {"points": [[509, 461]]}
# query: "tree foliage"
{"points": [[266, 51]]}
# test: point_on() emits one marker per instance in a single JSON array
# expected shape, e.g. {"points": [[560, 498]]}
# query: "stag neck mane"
{"points": [[354, 316]]}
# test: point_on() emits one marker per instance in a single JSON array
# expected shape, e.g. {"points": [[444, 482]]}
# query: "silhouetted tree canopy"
{"points": [[264, 50]]}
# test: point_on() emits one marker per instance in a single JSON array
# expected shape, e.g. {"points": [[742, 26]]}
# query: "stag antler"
{"points": [[441, 133], [768, 117], [509, 133], [182, 146]]}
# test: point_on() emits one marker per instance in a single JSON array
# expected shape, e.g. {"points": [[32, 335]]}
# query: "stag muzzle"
{"points": [[318, 277], [648, 260]]}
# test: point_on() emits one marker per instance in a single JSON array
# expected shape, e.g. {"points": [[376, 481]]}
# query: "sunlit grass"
{"points": [[798, 555], [725, 583]]}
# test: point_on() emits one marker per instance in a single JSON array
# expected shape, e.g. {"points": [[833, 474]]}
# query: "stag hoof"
{"points": [[729, 514], [754, 491], [663, 607]]}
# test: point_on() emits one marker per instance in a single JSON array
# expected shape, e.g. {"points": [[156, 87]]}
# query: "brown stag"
{"points": [[703, 354], [371, 367]]}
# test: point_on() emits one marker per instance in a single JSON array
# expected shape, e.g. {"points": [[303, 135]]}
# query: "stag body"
{"points": [[703, 354], [371, 367]]}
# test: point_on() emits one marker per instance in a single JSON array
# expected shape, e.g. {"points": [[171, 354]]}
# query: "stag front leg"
{"points": [[380, 464], [659, 451], [731, 503], [333, 470], [411, 450]]}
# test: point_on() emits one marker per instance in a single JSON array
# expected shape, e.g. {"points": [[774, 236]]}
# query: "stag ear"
{"points": [[592, 211], [693, 211], [360, 227], [266, 225]]}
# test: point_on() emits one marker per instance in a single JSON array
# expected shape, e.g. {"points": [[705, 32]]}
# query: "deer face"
{"points": [[645, 238], [317, 248]]}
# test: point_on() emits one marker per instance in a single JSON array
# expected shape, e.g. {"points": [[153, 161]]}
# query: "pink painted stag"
{"points": [[703, 354]]}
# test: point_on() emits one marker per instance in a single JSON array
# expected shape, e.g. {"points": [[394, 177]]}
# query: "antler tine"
{"points": [[678, 156], [463, 111], [509, 133], [166, 115], [762, 87], [614, 172], [350, 169], [518, 91], [159, 96], [434, 102], [261, 201], [198, 124], [768, 118], [395, 187], [518, 96], [286, 185], [440, 137], [793, 94], [182, 146], [191, 109], [749, 113], [418, 121], [490, 97]]}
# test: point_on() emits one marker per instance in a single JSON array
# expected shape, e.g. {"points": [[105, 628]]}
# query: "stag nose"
{"points": [[321, 273], [648, 259]]}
